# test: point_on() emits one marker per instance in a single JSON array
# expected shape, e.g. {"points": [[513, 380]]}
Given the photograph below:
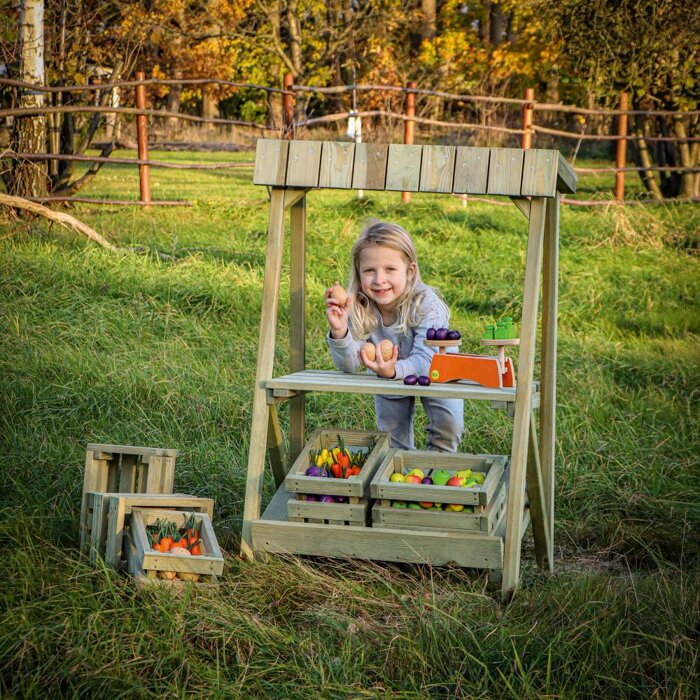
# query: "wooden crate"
{"points": [[376, 445], [485, 521], [105, 514], [128, 469], [355, 512], [492, 466], [143, 561]]}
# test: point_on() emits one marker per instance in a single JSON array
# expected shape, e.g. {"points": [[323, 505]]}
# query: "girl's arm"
{"points": [[418, 362]]}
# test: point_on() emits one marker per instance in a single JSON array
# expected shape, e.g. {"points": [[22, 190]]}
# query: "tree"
{"points": [[650, 49], [28, 178]]}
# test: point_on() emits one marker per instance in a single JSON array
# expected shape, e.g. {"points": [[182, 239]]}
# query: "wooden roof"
{"points": [[512, 172]]}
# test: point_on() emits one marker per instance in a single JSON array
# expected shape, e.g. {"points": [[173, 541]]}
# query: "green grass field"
{"points": [[134, 349]]}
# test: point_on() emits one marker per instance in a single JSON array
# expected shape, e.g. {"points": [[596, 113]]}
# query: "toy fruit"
{"points": [[417, 472], [398, 504], [430, 334], [387, 348], [440, 477], [397, 477], [412, 479], [464, 473], [411, 379], [370, 351], [339, 294], [425, 504], [423, 380], [470, 483], [478, 477], [413, 505], [426, 480], [456, 481], [453, 335], [441, 334], [454, 507]]}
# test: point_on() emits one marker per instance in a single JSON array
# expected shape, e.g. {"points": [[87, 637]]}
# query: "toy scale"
{"points": [[495, 372]]}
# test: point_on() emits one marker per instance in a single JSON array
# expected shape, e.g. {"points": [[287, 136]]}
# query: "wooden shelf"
{"points": [[345, 382]]}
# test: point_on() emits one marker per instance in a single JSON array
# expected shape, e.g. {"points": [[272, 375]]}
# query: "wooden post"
{"points": [[528, 118], [142, 139], [288, 106], [621, 149], [409, 128]]}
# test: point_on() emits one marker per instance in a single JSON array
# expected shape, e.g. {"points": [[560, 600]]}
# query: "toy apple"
{"points": [[456, 481], [414, 506], [397, 477], [412, 479], [470, 483], [398, 504], [464, 473], [440, 477], [454, 507], [417, 472], [479, 477], [425, 504]]}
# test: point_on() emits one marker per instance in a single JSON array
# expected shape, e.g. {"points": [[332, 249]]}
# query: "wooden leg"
{"points": [[536, 495], [523, 396], [266, 354], [274, 446], [297, 314], [548, 394]]}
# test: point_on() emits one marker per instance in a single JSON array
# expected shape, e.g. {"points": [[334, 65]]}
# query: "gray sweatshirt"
{"points": [[414, 356]]}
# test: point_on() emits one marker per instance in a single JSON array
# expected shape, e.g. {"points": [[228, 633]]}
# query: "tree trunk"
{"points": [[172, 103], [497, 25], [687, 179], [645, 161], [29, 135], [428, 20]]}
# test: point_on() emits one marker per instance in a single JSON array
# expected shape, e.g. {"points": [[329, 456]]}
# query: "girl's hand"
{"points": [[383, 368], [337, 315]]}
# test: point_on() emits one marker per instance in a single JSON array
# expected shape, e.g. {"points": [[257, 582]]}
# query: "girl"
{"points": [[386, 299]]}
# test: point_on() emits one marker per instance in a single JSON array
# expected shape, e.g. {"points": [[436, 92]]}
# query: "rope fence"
{"points": [[290, 125]]}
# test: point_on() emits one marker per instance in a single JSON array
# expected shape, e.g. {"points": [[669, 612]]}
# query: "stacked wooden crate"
{"points": [[478, 507], [351, 502], [124, 488]]}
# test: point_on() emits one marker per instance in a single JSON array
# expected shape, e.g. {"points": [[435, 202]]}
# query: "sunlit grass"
{"points": [[135, 349]]}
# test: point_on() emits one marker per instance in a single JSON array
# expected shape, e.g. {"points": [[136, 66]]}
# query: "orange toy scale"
{"points": [[487, 370]]}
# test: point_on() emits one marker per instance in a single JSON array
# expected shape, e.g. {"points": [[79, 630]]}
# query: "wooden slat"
{"points": [[369, 171], [536, 496], [270, 162], [470, 550], [437, 169], [539, 173], [567, 180], [303, 163], [336, 165], [266, 355], [297, 331], [521, 421], [362, 383], [130, 450], [471, 170], [505, 171], [274, 447], [403, 169], [548, 362]]}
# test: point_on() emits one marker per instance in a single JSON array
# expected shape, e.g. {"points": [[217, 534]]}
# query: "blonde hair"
{"points": [[364, 315]]}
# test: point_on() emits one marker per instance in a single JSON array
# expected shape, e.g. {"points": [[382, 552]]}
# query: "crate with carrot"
{"points": [[329, 481]]}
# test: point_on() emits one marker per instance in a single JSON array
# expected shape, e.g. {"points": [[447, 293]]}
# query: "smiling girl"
{"points": [[387, 300]]}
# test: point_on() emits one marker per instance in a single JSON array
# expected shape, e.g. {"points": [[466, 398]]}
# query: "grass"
{"points": [[130, 349]]}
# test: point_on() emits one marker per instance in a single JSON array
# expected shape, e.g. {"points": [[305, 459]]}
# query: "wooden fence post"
{"points": [[409, 127], [288, 106], [528, 118], [621, 149], [142, 139]]}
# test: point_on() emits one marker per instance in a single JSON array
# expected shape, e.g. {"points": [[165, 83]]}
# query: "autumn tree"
{"points": [[650, 49]]}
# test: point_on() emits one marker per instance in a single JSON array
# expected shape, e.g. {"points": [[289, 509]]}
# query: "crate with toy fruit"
{"points": [[329, 481], [442, 491]]}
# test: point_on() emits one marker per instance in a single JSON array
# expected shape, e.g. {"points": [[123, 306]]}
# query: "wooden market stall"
{"points": [[533, 180]]}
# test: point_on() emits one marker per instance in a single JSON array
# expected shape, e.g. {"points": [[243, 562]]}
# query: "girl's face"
{"points": [[384, 274]]}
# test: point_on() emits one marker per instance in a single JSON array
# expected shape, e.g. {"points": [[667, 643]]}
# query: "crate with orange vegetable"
{"points": [[329, 481], [430, 490], [165, 545]]}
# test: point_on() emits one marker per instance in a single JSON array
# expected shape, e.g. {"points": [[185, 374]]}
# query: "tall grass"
{"points": [[131, 349]]}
